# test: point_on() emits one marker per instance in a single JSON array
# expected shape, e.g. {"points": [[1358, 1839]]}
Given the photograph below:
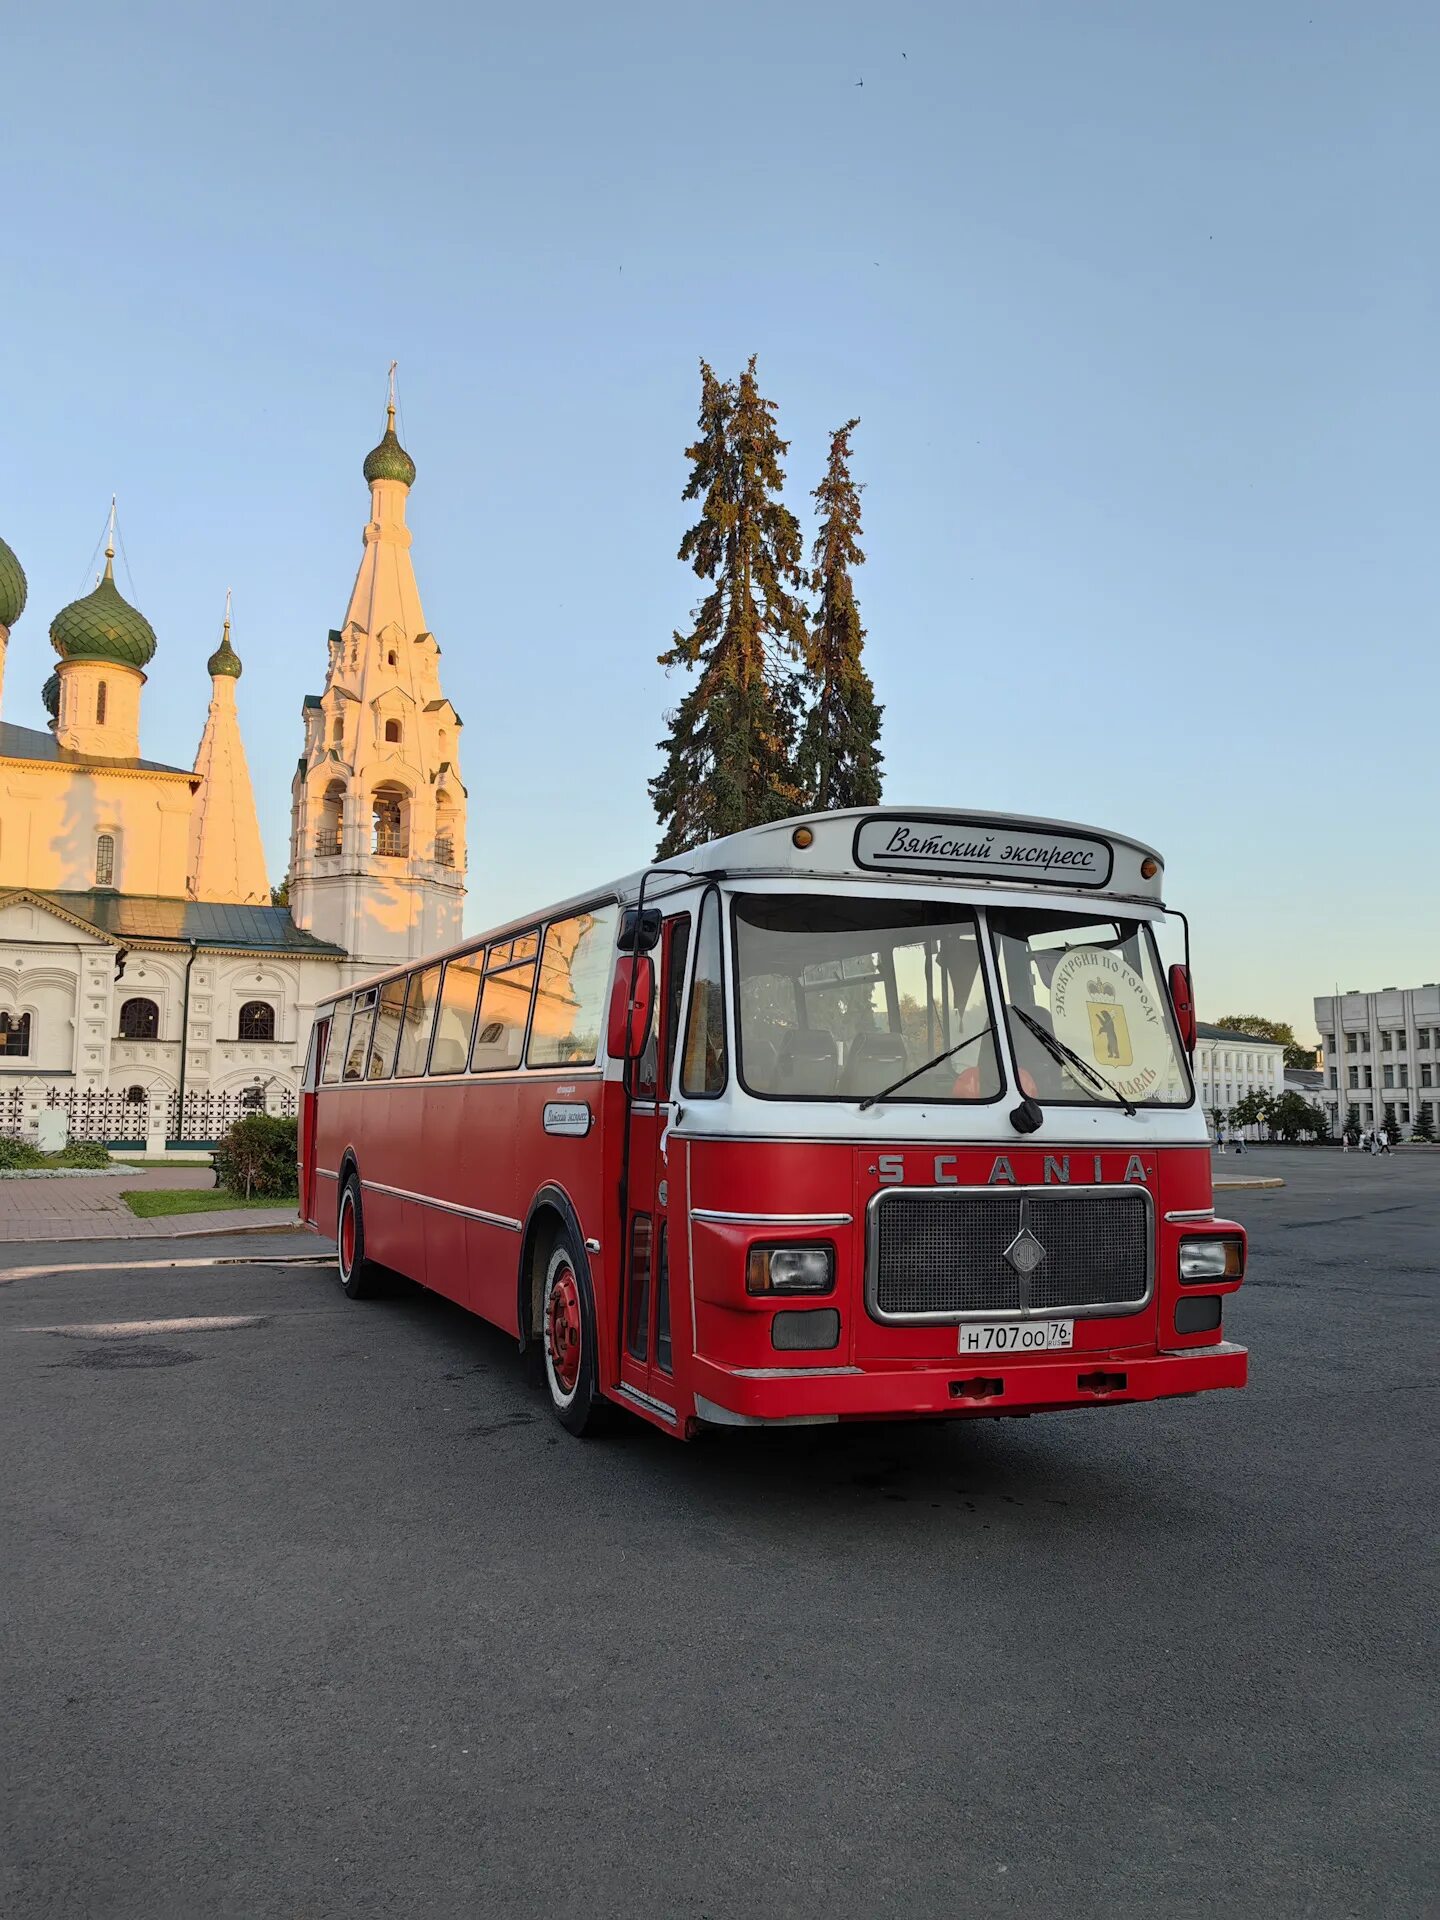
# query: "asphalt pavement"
{"points": [[309, 1609]]}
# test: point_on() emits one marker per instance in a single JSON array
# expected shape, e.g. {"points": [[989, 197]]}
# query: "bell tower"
{"points": [[377, 821]]}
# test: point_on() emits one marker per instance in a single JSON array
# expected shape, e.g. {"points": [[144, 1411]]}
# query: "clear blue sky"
{"points": [[1137, 306]]}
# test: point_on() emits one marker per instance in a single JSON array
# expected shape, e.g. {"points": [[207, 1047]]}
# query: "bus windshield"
{"points": [[1095, 986], [839, 998]]}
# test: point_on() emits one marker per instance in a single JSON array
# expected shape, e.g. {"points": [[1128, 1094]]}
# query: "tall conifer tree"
{"points": [[839, 759], [729, 754]]}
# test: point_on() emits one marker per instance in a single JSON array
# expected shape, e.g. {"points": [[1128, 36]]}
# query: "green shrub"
{"points": [[80, 1153], [257, 1156], [18, 1156]]}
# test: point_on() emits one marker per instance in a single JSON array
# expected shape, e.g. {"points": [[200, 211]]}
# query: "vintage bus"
{"points": [[860, 1115]]}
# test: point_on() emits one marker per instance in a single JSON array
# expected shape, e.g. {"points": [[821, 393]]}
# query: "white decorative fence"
{"points": [[114, 1116]]}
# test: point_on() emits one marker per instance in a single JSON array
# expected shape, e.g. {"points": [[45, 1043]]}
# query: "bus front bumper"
{"points": [[805, 1396]]}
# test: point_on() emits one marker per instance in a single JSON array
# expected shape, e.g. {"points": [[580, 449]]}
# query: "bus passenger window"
{"points": [[504, 1010], [570, 1002], [705, 1068], [358, 1051], [459, 991], [335, 1052], [387, 1027], [415, 1026]]}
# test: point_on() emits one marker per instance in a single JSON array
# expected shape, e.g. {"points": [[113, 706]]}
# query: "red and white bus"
{"points": [[862, 1115]]}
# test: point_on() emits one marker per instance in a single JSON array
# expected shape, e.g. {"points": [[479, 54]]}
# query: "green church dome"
{"points": [[224, 660], [389, 461], [50, 694], [103, 626], [12, 587]]}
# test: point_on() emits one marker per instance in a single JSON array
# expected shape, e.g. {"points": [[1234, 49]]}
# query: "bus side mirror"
{"points": [[1182, 998], [632, 1001]]}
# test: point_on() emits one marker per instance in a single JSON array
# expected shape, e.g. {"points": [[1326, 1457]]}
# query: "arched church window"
{"points": [[392, 732], [444, 829], [392, 659], [332, 812], [135, 1096], [139, 1020], [105, 860], [101, 703], [337, 730], [391, 815], [257, 1020], [14, 1036]]}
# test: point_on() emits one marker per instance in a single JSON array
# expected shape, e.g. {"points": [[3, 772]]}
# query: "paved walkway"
{"points": [[93, 1210]]}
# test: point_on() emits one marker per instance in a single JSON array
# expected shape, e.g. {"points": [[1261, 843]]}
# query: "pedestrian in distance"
{"points": [[1220, 1139], [1237, 1140], [1382, 1141], [1344, 1143]]}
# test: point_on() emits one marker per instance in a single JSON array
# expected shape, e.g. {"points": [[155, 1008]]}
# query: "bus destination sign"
{"points": [[983, 849]]}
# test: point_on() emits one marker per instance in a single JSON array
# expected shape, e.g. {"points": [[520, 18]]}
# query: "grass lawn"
{"points": [[150, 1203]]}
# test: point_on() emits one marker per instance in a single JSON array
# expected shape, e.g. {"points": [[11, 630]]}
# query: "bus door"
{"points": [[645, 1341], [305, 1133]]}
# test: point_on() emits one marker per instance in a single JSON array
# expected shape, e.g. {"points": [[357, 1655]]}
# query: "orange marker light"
{"points": [[803, 836], [1149, 869]]}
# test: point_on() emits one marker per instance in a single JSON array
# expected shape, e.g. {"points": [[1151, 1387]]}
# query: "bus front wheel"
{"points": [[567, 1339], [357, 1276]]}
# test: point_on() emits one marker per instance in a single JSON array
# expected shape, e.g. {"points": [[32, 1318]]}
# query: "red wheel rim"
{"points": [[347, 1236], [562, 1330]]}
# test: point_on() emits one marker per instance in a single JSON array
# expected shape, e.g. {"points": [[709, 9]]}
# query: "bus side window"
{"points": [[357, 1053], [387, 1027], [415, 1027], [674, 994], [504, 1011], [335, 1052], [570, 1002], [704, 1065], [647, 1087], [459, 991]]}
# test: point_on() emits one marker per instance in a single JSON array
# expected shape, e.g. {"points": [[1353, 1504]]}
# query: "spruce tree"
{"points": [[839, 759], [729, 756]]}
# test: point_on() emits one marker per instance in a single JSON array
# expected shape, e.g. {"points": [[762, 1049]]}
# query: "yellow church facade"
{"points": [[149, 988]]}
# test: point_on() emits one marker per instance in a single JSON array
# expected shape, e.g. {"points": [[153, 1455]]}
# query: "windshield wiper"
{"points": [[905, 1079], [1059, 1051]]}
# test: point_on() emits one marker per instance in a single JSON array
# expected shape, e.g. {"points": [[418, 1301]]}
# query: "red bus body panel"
{"points": [[450, 1172]]}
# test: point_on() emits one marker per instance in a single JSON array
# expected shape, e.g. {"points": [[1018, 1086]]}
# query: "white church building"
{"points": [[148, 985]]}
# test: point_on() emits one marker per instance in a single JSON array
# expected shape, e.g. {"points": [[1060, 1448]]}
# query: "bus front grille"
{"points": [[938, 1255]]}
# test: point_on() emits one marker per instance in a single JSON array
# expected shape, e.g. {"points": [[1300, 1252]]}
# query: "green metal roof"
{"points": [[103, 626], [30, 743], [213, 923], [12, 587]]}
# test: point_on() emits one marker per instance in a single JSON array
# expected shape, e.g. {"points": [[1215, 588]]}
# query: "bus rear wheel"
{"points": [[357, 1276], [567, 1340]]}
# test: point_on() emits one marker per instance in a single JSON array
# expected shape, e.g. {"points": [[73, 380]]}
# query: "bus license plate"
{"points": [[1012, 1336]]}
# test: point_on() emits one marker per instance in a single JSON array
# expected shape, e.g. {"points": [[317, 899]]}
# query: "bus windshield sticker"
{"points": [[921, 845], [1104, 1012]]}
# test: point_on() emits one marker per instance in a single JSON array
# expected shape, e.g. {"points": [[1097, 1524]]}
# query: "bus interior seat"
{"points": [[872, 1061], [762, 1061], [809, 1062]]}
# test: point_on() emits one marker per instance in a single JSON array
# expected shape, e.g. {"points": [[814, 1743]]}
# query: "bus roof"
{"points": [[928, 844]]}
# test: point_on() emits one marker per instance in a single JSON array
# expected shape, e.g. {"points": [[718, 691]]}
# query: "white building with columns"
{"points": [[1229, 1065], [1380, 1054], [148, 984]]}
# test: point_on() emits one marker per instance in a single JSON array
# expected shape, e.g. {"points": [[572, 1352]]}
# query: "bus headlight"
{"points": [[790, 1270], [1212, 1256]]}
